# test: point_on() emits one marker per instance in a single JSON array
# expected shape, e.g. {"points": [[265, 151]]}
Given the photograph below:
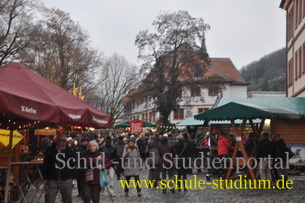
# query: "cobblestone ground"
{"points": [[297, 194]]}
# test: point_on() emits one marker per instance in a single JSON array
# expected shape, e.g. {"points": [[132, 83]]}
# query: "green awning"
{"points": [[233, 110], [127, 124]]}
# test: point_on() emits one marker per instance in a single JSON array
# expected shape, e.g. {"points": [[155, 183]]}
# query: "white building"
{"points": [[295, 45], [195, 99]]}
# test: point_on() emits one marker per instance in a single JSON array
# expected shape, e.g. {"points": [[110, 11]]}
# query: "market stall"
{"points": [[28, 100], [249, 109]]}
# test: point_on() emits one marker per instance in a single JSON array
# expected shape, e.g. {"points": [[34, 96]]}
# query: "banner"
{"points": [[136, 127], [299, 154]]}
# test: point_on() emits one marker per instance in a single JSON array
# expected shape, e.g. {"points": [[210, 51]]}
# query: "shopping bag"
{"points": [[103, 178]]}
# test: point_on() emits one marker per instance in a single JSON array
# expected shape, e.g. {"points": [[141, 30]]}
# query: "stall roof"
{"points": [[291, 104], [283, 108], [26, 96]]}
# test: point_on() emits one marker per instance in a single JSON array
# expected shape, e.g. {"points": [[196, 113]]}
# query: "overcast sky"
{"points": [[243, 30]]}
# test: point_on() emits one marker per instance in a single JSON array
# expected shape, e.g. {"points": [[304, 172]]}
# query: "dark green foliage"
{"points": [[268, 73]]}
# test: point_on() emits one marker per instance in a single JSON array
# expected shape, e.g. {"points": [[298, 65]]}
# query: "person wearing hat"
{"points": [[111, 154], [56, 171], [81, 149]]}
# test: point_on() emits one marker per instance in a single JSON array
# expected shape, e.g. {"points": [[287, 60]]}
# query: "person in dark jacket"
{"points": [[281, 152], [119, 145], [94, 160], [250, 143], [183, 152], [265, 150], [111, 154], [142, 143], [153, 153], [81, 150], [167, 168], [57, 173]]}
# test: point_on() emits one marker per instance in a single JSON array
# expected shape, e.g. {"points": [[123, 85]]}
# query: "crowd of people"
{"points": [[125, 154]]}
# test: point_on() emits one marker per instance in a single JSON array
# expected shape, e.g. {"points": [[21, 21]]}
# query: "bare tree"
{"points": [[62, 52], [17, 29], [172, 59], [117, 78]]}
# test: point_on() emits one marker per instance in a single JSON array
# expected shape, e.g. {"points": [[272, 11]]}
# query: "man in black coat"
{"points": [[142, 143], [265, 154], [81, 149], [111, 153], [59, 170]]}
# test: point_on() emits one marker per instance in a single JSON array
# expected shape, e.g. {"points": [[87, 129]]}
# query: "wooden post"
{"points": [[8, 170], [257, 134], [240, 144]]}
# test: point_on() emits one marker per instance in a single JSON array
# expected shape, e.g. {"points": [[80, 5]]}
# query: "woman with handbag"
{"points": [[132, 164], [94, 163]]}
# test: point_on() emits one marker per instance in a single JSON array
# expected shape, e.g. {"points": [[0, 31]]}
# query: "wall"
{"points": [[292, 131]]}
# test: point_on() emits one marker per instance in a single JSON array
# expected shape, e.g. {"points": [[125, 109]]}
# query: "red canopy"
{"points": [[25, 95]]}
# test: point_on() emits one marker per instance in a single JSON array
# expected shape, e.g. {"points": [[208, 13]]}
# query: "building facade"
{"points": [[295, 44], [195, 99]]}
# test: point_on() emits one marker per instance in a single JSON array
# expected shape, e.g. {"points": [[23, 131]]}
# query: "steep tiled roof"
{"points": [[225, 69]]}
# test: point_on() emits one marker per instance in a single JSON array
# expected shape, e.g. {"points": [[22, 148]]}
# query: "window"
{"points": [[296, 13], [152, 117], [179, 114], [303, 9], [296, 66], [198, 73], [195, 91], [300, 11], [303, 65], [290, 23], [200, 110], [290, 72], [213, 92], [300, 62]]}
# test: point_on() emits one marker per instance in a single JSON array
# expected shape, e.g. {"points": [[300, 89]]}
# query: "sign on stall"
{"points": [[136, 127], [45, 132], [5, 137]]}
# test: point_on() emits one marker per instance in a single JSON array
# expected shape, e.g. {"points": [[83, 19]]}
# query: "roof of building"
{"points": [[227, 70]]}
